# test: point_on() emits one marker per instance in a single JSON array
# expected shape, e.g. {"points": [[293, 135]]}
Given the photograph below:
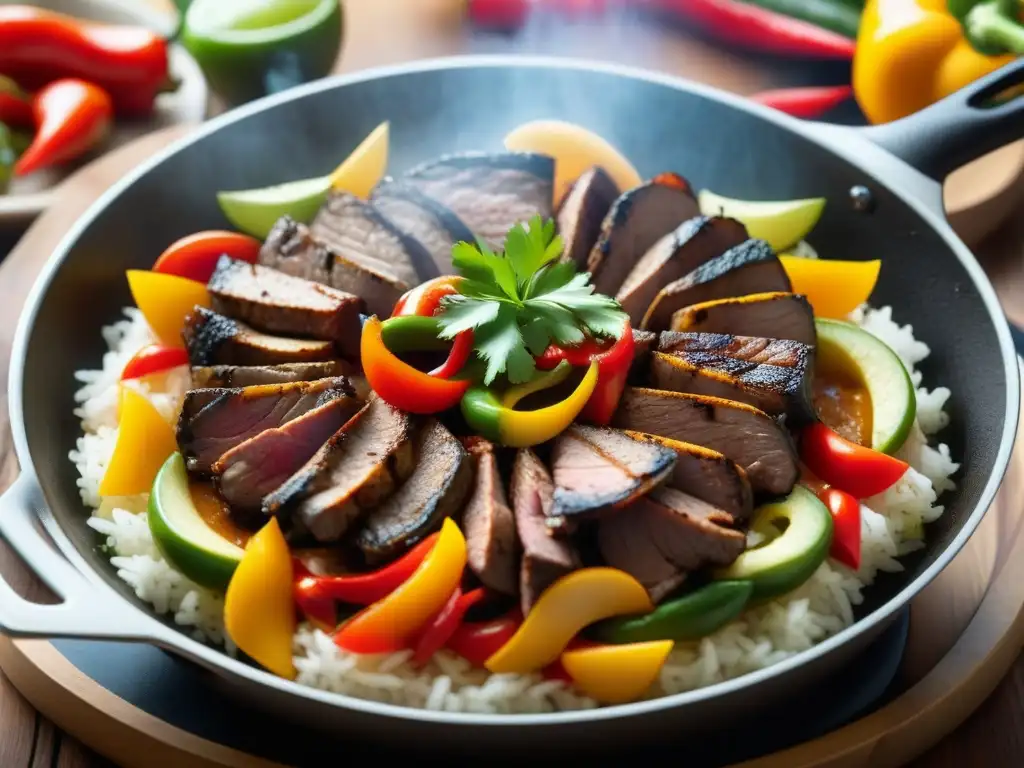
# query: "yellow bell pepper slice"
{"points": [[386, 625], [361, 171], [521, 429], [573, 602], [165, 301], [616, 674], [144, 441], [834, 288], [259, 610]]}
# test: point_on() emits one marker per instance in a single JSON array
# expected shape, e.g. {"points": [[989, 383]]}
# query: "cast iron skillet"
{"points": [[884, 201]]}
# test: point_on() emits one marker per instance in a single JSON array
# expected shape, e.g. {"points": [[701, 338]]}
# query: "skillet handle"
{"points": [[958, 129], [89, 610]]}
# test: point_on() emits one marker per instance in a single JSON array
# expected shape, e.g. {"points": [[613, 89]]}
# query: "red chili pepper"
{"points": [[477, 641], [507, 15], [425, 298], [38, 47], [804, 102], [846, 465], [443, 625], [155, 358], [195, 256], [15, 105], [750, 26], [845, 526], [462, 348], [72, 117]]}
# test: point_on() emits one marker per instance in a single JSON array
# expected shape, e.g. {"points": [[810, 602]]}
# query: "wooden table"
{"points": [[388, 31]]}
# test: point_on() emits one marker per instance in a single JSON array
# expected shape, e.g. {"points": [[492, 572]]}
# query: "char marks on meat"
{"points": [[748, 436], [752, 349], [581, 213], [686, 248], [248, 375], [435, 490], [213, 339], [750, 267], [545, 558], [359, 467], [643, 343], [776, 315], [488, 522], [273, 302]]}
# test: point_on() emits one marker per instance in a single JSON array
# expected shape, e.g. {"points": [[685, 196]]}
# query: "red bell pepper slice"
{"points": [[845, 526], [154, 358], [196, 255], [445, 623], [853, 468], [462, 348], [477, 641], [425, 298]]}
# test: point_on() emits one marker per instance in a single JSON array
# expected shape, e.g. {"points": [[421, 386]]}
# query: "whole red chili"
{"points": [[807, 103], [15, 106]]}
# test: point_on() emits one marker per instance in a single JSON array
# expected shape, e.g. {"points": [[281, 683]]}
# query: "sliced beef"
{"points": [[488, 523], [235, 415], [248, 375], [750, 267], [777, 315], [753, 349], [424, 219], [271, 301], [545, 558], [775, 389], [582, 211], [214, 339], [637, 220], [668, 533], [435, 490], [359, 467], [490, 193], [746, 435], [251, 470], [643, 343], [684, 249], [597, 468], [291, 248]]}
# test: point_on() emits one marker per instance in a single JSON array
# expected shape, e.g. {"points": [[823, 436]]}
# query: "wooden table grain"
{"points": [[389, 31]]}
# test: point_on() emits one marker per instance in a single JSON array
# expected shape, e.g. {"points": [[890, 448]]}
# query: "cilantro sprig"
{"points": [[519, 301]]}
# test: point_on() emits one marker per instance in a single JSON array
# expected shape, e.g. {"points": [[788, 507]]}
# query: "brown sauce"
{"points": [[843, 403], [216, 514]]}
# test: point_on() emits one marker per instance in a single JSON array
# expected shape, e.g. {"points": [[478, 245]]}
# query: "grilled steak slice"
{"points": [[582, 211], [235, 415], [668, 532], [424, 219], [435, 490], [777, 315], [643, 343], [248, 375], [637, 220], [753, 349], [545, 558], [750, 267], [251, 470], [596, 468], [746, 435], [488, 523], [356, 469], [271, 301], [684, 249], [709, 476], [290, 248], [489, 192], [774, 389], [213, 339]]}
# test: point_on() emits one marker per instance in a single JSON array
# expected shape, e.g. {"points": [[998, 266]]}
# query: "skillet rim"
{"points": [[845, 143]]}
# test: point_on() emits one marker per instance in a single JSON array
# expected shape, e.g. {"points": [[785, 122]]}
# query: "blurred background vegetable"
{"points": [[72, 116]]}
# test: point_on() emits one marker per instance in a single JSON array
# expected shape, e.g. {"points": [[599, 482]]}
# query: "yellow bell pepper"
{"points": [[388, 624], [364, 168], [165, 301], [911, 53], [567, 606], [834, 288], [259, 610], [144, 441], [615, 674]]}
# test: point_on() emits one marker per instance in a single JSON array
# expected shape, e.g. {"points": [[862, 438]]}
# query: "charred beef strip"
{"points": [[777, 315], [290, 248], [359, 467], [435, 490], [638, 219], [750, 267], [235, 415], [785, 353], [213, 339], [273, 302], [251, 470], [545, 558], [249, 375], [750, 437], [643, 343], [488, 522], [490, 193], [597, 468], [684, 249], [581, 213], [665, 535]]}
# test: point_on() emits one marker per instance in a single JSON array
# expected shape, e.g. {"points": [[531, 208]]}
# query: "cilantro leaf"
{"points": [[560, 322], [471, 263], [500, 343], [462, 314], [530, 248], [550, 278], [536, 334]]}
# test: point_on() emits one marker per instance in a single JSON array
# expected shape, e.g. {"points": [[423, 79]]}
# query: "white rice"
{"points": [[891, 526]]}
